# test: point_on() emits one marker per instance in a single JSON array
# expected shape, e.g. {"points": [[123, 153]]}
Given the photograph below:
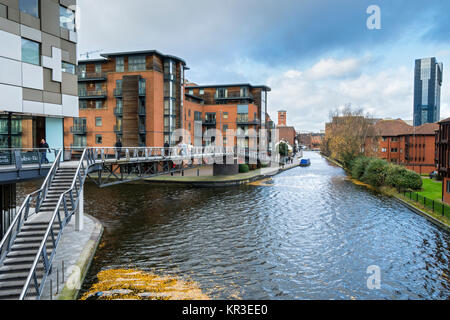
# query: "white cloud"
{"points": [[310, 95]]}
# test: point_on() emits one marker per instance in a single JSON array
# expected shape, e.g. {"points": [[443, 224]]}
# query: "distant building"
{"points": [[427, 91], [285, 132], [311, 141]]}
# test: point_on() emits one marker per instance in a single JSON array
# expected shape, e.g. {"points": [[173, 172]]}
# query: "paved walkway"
{"points": [[69, 250]]}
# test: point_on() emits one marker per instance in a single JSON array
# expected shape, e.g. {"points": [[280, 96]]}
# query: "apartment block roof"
{"points": [[106, 56], [195, 86], [398, 127]]}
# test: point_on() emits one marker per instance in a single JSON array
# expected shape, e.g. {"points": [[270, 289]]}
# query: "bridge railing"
{"points": [[35, 200], [62, 215], [18, 157]]}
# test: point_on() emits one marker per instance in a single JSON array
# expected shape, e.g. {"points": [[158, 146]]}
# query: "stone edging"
{"points": [[84, 261], [424, 214]]}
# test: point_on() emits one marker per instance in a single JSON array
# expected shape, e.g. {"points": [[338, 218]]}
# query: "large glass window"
{"points": [[30, 52], [120, 64], [3, 11], [68, 68], [136, 63], [222, 93], [30, 6], [66, 18]]}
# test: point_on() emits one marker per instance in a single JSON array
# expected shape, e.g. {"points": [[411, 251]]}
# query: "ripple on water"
{"points": [[309, 234]]}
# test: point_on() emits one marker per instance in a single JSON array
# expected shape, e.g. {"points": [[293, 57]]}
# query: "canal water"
{"points": [[307, 234]]}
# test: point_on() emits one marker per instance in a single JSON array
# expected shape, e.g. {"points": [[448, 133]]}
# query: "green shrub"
{"points": [[359, 167], [412, 180], [243, 168], [402, 178], [375, 173]]}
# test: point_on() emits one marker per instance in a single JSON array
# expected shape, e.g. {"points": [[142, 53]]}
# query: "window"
{"points": [[190, 126], [30, 52], [136, 63], [394, 150], [30, 6], [120, 64], [68, 68], [98, 121], [98, 68], [3, 11], [98, 87], [66, 18], [98, 139], [384, 139], [244, 92], [448, 186], [197, 116], [225, 127], [189, 113], [83, 104], [225, 115], [98, 105], [201, 92], [222, 93], [394, 139], [383, 149]]}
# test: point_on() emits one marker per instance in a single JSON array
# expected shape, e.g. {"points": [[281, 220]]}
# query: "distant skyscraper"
{"points": [[427, 91]]}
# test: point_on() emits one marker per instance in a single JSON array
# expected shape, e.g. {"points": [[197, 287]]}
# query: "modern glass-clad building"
{"points": [[427, 91]]}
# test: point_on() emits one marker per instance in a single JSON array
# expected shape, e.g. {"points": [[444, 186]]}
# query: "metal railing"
{"points": [[92, 75], [94, 93], [23, 214], [78, 129], [435, 206], [62, 215], [24, 156]]}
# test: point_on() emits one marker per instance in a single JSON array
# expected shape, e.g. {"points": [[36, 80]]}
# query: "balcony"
{"points": [[95, 94], [142, 128], [142, 92], [78, 145], [243, 120], [118, 92], [209, 122], [141, 111], [118, 111], [236, 96], [92, 76], [78, 130]]}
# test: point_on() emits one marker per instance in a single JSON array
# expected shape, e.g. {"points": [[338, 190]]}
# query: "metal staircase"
{"points": [[28, 249]]}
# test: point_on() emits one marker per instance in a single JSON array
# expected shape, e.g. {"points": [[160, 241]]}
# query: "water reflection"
{"points": [[310, 234]]}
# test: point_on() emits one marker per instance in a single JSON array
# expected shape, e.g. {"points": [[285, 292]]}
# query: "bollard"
{"points": [[182, 173], [198, 172], [57, 280], [63, 271]]}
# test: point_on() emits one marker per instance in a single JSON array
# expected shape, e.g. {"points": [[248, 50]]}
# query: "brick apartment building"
{"points": [[285, 132], [142, 98], [311, 141], [443, 157], [227, 107], [398, 142], [136, 96]]}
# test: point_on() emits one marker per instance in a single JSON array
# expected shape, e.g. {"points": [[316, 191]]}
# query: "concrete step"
{"points": [[13, 285], [24, 254], [28, 246], [20, 268], [31, 240], [22, 261]]}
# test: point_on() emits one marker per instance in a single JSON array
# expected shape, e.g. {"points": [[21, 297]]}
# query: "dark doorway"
{"points": [[38, 130]]}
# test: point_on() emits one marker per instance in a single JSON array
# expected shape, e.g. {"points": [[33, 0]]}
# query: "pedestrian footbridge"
{"points": [[29, 246]]}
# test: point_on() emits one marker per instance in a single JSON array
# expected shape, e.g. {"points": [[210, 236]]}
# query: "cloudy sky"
{"points": [[316, 55]]}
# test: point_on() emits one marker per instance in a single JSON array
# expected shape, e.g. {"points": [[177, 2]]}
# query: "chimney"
{"points": [[282, 118]]}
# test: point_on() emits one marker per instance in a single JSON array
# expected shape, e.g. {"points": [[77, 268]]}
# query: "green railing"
{"points": [[434, 205]]}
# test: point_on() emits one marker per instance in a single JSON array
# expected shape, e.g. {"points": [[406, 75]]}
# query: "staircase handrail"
{"points": [[76, 186], [23, 214]]}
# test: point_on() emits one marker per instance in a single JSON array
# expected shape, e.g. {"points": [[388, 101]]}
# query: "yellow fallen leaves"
{"points": [[126, 284]]}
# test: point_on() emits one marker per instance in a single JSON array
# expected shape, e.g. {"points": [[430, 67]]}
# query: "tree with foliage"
{"points": [[346, 134]]}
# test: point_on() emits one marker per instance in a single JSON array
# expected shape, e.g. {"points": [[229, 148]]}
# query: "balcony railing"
{"points": [[78, 129], [117, 129], [245, 120], [142, 91], [209, 122], [92, 76], [142, 111], [92, 94], [142, 128], [235, 96]]}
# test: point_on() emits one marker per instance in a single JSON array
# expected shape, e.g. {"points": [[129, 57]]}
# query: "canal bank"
{"points": [[414, 206], [222, 181], [73, 258]]}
